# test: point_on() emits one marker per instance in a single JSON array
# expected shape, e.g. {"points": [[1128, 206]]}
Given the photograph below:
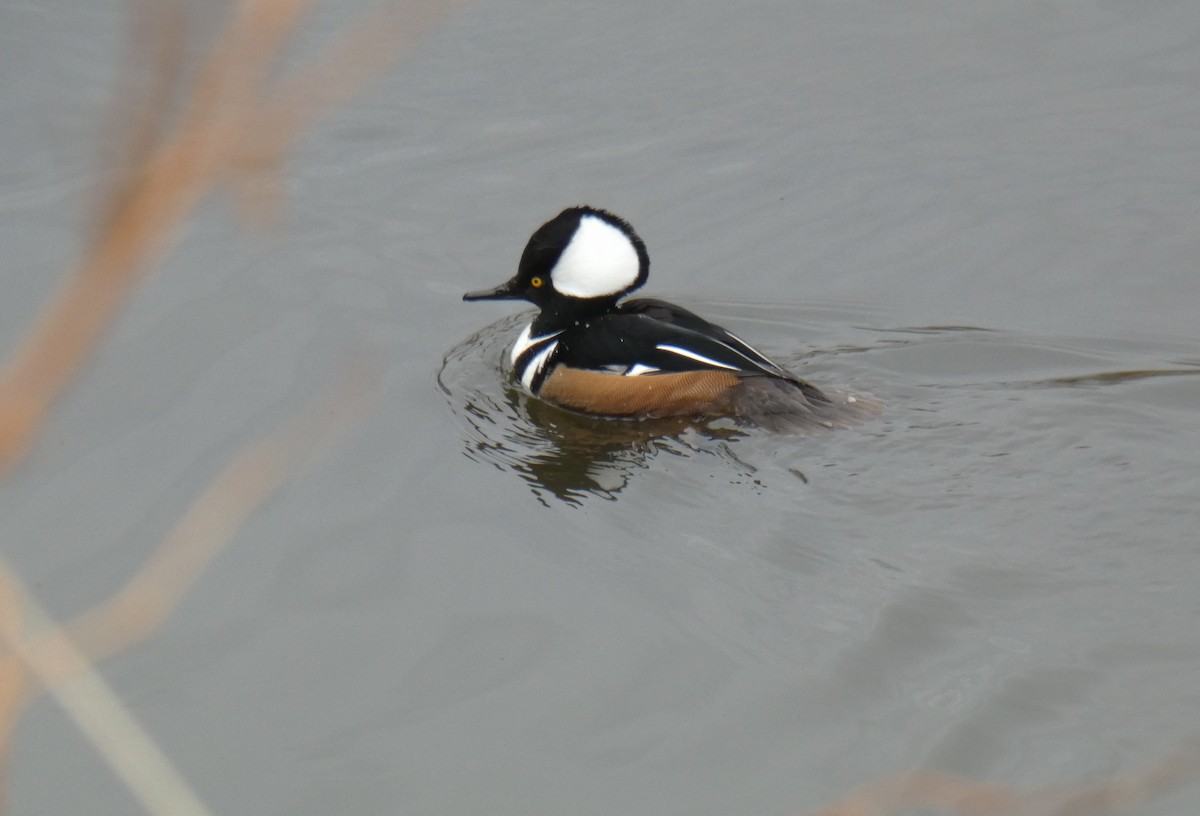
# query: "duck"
{"points": [[591, 350]]}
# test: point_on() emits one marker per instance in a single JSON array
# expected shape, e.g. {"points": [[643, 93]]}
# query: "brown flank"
{"points": [[647, 395]]}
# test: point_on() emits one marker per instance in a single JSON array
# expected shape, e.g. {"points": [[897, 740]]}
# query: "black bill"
{"points": [[505, 291]]}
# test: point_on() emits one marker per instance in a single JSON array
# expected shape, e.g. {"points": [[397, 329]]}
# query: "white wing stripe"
{"points": [[691, 355], [762, 358], [640, 368]]}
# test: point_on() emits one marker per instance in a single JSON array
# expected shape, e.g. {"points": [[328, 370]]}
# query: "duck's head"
{"points": [[581, 256]]}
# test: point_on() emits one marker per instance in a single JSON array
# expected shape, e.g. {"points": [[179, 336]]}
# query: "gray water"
{"points": [[985, 214]]}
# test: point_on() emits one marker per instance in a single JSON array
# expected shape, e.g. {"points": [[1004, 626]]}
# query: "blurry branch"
{"points": [[178, 142], [97, 711], [13, 684], [299, 100], [59, 658], [233, 127], [247, 481], [966, 797]]}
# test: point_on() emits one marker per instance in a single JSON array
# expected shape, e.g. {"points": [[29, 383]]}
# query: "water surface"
{"points": [[984, 215]]}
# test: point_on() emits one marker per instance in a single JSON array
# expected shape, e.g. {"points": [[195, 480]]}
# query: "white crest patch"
{"points": [[599, 260]]}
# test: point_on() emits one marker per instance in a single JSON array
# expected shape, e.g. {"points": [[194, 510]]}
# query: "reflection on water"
{"points": [[582, 454]]}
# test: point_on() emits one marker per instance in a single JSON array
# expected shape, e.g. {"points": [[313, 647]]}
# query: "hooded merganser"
{"points": [[640, 358]]}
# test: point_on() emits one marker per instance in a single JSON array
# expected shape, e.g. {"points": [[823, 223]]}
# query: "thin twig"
{"points": [[228, 126], [95, 708], [59, 658]]}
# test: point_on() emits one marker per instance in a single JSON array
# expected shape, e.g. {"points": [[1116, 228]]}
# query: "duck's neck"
{"points": [[562, 314]]}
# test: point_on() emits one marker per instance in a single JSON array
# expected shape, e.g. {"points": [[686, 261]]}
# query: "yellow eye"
{"points": [[536, 282]]}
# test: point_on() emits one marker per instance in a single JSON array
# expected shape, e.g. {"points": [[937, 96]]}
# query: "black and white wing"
{"points": [[729, 349], [640, 341]]}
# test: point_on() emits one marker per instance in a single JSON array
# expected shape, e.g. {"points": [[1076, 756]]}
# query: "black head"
{"points": [[582, 255]]}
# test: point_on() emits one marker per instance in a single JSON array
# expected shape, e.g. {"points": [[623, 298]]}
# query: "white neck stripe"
{"points": [[536, 364], [525, 342]]}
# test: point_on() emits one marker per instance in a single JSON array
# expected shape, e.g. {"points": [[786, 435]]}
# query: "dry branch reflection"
{"points": [[959, 796]]}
